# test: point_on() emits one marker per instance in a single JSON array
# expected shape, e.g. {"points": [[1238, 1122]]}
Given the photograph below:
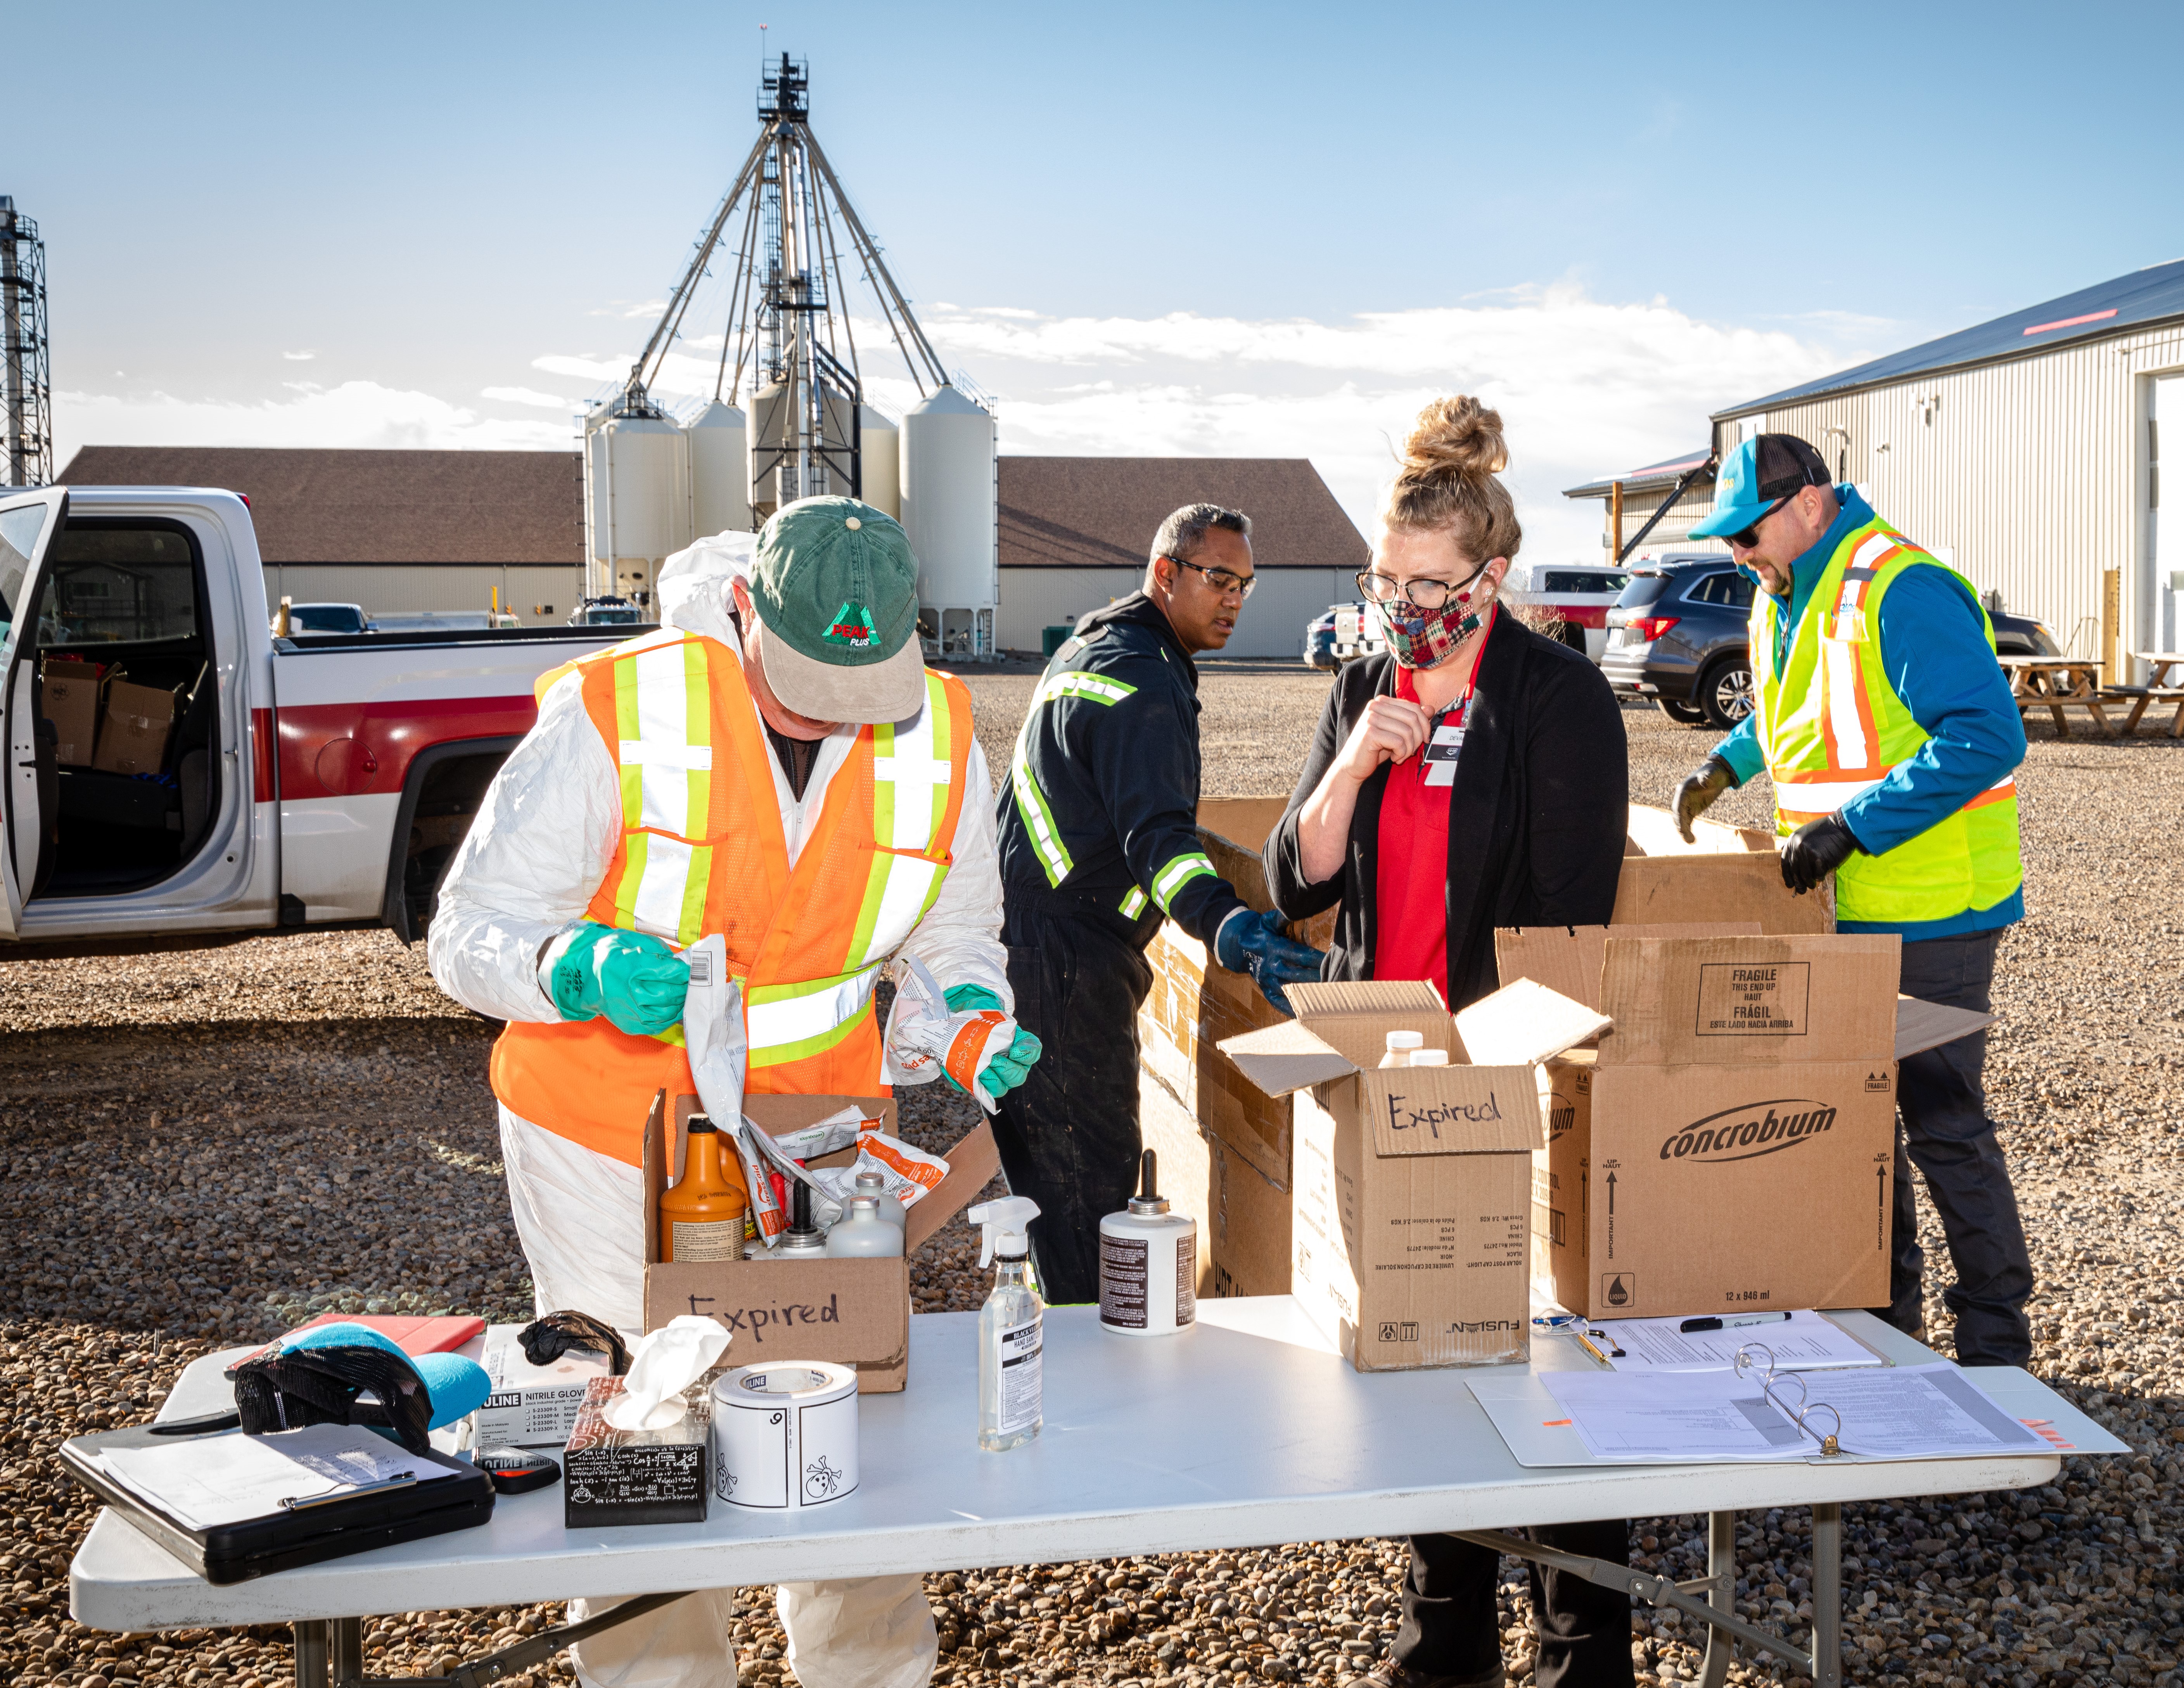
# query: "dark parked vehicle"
{"points": [[1319, 641], [1678, 635]]}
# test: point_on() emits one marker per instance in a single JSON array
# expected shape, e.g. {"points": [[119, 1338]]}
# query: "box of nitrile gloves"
{"points": [[532, 1406]]}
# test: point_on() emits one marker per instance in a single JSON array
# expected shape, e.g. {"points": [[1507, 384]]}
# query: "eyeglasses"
{"points": [[1220, 579], [1749, 539], [1427, 593]]}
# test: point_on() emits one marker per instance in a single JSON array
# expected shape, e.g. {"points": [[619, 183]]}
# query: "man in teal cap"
{"points": [[776, 765], [1889, 735]]}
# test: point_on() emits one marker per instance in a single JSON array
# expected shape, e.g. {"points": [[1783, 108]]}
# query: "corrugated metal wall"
{"points": [[1671, 532], [2032, 472], [535, 593]]}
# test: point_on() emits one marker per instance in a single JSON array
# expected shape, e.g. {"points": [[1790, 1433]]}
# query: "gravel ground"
{"points": [[204, 1147]]}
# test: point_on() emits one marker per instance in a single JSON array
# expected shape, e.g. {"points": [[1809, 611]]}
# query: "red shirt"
{"points": [[1411, 936]]}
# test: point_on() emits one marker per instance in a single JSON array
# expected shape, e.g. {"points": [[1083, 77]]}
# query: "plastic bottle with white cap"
{"points": [[1400, 1046], [1428, 1058], [1010, 1337], [861, 1233]]}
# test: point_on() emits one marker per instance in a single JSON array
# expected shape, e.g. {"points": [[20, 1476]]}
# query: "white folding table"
{"points": [[1247, 1432]]}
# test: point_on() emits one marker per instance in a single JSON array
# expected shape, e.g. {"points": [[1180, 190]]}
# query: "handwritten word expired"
{"points": [[1406, 1116]]}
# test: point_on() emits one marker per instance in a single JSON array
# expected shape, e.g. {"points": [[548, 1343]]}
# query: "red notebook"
{"points": [[411, 1333]]}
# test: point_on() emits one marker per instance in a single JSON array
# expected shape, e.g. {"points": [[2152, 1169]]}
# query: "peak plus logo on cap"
{"points": [[852, 626]]}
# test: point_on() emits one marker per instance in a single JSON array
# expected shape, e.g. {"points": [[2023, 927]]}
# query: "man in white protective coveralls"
{"points": [[777, 765]]}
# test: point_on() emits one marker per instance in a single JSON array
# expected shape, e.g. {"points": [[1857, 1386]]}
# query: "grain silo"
{"points": [[719, 470], [790, 342], [636, 487], [881, 457], [948, 510]]}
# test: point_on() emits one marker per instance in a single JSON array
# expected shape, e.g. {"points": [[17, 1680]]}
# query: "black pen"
{"points": [[1734, 1321]]}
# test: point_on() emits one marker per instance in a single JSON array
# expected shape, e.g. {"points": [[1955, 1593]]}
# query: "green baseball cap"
{"points": [[836, 585]]}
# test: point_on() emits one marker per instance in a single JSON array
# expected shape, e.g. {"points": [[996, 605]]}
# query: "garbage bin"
{"points": [[1050, 639]]}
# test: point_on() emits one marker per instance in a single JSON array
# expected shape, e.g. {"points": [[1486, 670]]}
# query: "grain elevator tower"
{"points": [[788, 416], [26, 399]]}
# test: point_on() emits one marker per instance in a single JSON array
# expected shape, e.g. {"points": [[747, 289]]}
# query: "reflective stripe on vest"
{"points": [[1832, 728], [702, 850]]}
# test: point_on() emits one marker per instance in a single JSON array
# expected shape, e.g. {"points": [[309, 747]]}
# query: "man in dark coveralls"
{"points": [[1099, 844]]}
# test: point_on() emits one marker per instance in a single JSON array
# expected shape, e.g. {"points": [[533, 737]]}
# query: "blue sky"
{"points": [[1268, 229]]}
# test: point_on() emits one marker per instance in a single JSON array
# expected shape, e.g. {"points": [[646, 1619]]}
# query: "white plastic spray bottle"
{"points": [[1009, 1329]]}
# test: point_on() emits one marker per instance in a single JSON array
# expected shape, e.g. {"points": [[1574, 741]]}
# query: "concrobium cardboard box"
{"points": [[1730, 1144], [1408, 1218], [851, 1312], [69, 697], [133, 737]]}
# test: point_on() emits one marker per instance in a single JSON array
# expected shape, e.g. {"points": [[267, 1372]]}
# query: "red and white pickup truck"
{"points": [[322, 780]]}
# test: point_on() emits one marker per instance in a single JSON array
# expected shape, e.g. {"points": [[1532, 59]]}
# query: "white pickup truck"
{"points": [[320, 779]]}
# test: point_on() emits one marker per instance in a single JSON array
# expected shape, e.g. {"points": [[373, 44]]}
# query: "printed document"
{"points": [[204, 1482], [1707, 1417], [1804, 1342]]}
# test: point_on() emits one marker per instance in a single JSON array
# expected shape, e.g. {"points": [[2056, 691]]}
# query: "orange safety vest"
{"points": [[702, 850]]}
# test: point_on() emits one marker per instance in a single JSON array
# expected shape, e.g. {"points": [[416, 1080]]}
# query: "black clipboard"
{"points": [[332, 1529]]}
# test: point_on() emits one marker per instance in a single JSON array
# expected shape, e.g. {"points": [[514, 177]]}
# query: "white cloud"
{"points": [[530, 395], [299, 357], [1586, 387], [356, 413]]}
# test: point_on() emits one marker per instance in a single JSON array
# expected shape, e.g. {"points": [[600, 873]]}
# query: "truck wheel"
{"points": [[1683, 714], [1725, 692]]}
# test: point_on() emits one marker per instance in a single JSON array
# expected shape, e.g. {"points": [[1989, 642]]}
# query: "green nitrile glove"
{"points": [[636, 981], [1004, 1072]]}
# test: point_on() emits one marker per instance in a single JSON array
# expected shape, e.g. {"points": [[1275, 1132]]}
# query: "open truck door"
{"points": [[28, 524]]}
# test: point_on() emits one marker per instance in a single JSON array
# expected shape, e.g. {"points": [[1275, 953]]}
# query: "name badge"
{"points": [[1442, 755]]}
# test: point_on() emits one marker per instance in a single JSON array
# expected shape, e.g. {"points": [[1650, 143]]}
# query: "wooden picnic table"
{"points": [[2058, 683], [2160, 688]]}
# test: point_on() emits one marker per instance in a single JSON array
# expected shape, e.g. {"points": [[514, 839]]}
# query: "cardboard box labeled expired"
{"points": [[853, 1312], [1730, 1144], [1409, 1231]]}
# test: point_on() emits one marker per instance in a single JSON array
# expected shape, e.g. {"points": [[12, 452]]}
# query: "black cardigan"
{"points": [[1537, 813]]}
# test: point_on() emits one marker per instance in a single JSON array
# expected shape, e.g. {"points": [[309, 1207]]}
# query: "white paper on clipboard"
{"points": [[1806, 1341]]}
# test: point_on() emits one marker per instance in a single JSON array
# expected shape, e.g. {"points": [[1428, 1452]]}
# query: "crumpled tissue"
{"points": [[665, 1363]]}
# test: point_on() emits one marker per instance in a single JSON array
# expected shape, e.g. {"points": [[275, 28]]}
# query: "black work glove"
{"points": [[1815, 850], [1696, 795]]}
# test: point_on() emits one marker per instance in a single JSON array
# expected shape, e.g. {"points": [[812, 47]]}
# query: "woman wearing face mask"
{"points": [[1476, 776]]}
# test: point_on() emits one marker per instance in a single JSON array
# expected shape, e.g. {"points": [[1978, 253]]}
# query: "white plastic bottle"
{"points": [[1428, 1058], [1010, 1334], [891, 1209], [861, 1233], [1400, 1046], [1148, 1263]]}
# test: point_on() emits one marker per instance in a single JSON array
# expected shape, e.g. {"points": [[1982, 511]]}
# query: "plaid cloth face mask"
{"points": [[1425, 639]]}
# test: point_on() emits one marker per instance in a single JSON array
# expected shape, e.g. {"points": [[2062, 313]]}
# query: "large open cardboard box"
{"points": [[1731, 1143], [851, 1312], [1410, 1207], [1226, 1149]]}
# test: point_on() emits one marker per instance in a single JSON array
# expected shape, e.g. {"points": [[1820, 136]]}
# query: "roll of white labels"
{"points": [[785, 1435]]}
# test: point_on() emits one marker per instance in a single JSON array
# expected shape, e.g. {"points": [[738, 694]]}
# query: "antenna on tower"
{"points": [[26, 397]]}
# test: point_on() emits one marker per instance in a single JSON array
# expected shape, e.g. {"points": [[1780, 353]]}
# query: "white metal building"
{"points": [[2027, 450]]}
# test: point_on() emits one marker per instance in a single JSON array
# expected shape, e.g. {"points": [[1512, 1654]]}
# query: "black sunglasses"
{"points": [[1749, 539]]}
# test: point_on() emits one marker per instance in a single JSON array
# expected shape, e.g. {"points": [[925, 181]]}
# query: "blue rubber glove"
{"points": [[1004, 1072], [636, 981], [1257, 944]]}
